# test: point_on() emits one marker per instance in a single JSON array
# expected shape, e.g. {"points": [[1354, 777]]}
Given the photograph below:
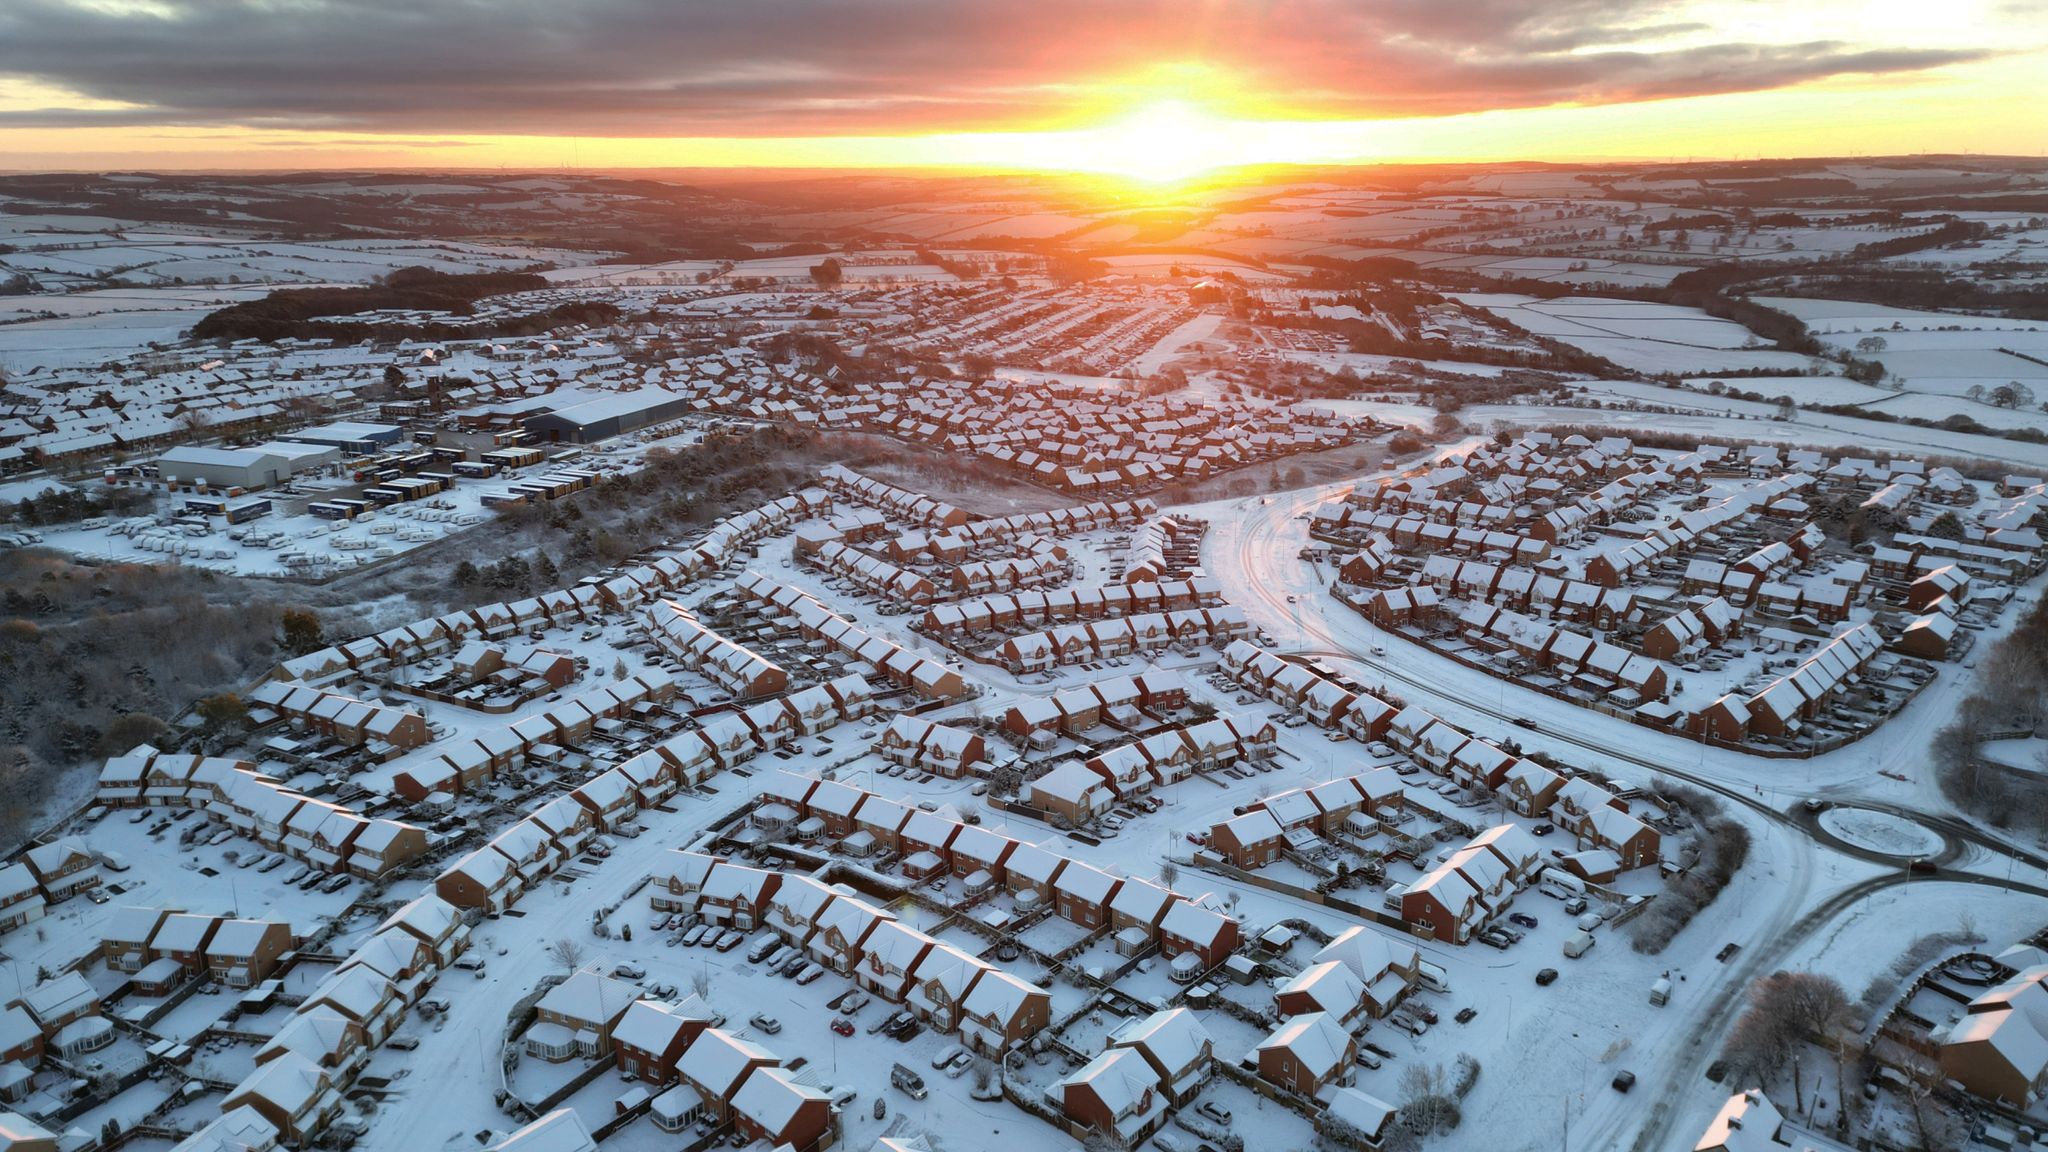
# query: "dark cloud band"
{"points": [[801, 67]]}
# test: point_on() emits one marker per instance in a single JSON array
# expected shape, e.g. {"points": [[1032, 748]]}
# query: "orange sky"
{"points": [[1145, 88]]}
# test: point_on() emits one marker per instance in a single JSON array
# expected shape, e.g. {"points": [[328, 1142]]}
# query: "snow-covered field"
{"points": [[1649, 338]]}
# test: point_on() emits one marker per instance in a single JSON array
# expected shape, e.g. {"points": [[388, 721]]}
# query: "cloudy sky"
{"points": [[266, 83]]}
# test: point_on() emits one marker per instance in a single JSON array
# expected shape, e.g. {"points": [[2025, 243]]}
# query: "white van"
{"points": [[1578, 944]]}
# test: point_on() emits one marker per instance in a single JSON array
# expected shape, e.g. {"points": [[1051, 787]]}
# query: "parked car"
{"points": [[1214, 1112], [765, 1023], [1523, 918], [1546, 977], [1466, 1014], [730, 940], [1624, 1080], [809, 973], [946, 1055], [767, 945], [842, 1026], [694, 935], [630, 970]]}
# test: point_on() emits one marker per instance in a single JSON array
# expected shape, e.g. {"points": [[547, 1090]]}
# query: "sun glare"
{"points": [[1160, 143]]}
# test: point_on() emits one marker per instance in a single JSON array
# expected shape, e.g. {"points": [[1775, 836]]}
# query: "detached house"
{"points": [[579, 1016], [651, 1037], [841, 930], [715, 1065], [63, 868], [243, 952], [775, 1107], [1177, 1047], [736, 895], [941, 981], [1082, 894], [1190, 928], [1307, 1054], [1117, 1094], [1001, 1011], [889, 954]]}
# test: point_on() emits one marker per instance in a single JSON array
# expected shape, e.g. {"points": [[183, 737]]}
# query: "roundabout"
{"points": [[1871, 832]]}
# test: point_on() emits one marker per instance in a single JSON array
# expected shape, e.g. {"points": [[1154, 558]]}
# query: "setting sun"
{"points": [[1160, 143]]}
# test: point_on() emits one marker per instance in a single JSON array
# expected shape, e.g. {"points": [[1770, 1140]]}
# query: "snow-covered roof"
{"points": [[717, 1059], [590, 996], [559, 1131], [771, 1098], [1174, 1038], [1316, 1041]]}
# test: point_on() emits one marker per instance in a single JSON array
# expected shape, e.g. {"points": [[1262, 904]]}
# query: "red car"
{"points": [[842, 1025]]}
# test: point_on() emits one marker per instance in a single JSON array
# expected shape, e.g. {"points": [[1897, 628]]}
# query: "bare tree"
{"points": [[1810, 1002], [1757, 1047], [566, 952], [1426, 1098], [1169, 873], [700, 983]]}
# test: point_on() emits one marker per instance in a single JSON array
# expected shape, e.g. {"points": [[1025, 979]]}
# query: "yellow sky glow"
{"points": [[1162, 135]]}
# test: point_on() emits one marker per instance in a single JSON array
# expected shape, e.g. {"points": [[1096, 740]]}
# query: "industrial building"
{"points": [[263, 466], [223, 467], [608, 416], [350, 436]]}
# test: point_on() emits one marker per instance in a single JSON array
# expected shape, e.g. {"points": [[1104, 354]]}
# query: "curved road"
{"points": [[1268, 538]]}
